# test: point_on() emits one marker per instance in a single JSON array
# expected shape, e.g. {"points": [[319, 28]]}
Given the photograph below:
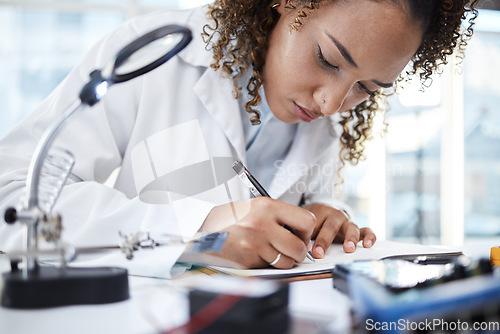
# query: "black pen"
{"points": [[258, 190]]}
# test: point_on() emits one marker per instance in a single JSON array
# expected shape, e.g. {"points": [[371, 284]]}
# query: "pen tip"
{"points": [[310, 256]]}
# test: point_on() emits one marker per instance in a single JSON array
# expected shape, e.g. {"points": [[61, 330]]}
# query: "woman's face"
{"points": [[342, 53]]}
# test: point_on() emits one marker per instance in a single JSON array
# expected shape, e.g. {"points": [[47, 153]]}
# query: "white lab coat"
{"points": [[173, 134]]}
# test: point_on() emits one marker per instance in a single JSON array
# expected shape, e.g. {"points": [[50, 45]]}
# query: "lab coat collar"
{"points": [[197, 53], [214, 89], [215, 92]]}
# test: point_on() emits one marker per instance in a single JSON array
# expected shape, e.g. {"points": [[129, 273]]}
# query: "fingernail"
{"points": [[368, 243], [320, 252], [309, 246], [351, 245]]}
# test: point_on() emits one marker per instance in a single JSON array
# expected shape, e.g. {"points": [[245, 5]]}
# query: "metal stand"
{"points": [[38, 286], [33, 285]]}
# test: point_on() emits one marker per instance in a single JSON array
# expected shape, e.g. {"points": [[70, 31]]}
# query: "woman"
{"points": [[306, 74]]}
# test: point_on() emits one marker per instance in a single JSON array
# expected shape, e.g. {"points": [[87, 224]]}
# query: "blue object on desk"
{"points": [[465, 300], [465, 294]]}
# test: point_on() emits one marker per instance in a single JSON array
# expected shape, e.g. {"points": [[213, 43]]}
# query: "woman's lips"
{"points": [[304, 114]]}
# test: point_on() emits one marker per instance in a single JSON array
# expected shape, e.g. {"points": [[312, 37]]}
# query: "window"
{"points": [[482, 130], [46, 39], [435, 176]]}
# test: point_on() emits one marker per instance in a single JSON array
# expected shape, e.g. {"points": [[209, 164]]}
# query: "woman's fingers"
{"points": [[300, 221], [351, 234], [329, 222], [258, 237], [284, 240], [333, 225], [281, 261], [368, 236], [329, 229], [257, 233]]}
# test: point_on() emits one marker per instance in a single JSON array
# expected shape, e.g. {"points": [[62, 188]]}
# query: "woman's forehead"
{"points": [[375, 34]]}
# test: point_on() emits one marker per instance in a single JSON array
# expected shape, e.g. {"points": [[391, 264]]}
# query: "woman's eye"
{"points": [[364, 89], [325, 62]]}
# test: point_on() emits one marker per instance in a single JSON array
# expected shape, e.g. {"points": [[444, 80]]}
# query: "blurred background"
{"points": [[432, 178]]}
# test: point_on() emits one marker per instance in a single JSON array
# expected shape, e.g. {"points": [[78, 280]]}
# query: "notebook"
{"points": [[336, 255]]}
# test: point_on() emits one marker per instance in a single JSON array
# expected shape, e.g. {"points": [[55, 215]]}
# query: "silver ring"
{"points": [[323, 101], [276, 260]]}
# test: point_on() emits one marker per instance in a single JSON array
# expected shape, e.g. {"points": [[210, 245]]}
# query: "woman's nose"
{"points": [[332, 99]]}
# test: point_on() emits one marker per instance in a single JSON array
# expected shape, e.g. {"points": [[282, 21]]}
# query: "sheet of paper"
{"points": [[336, 255]]}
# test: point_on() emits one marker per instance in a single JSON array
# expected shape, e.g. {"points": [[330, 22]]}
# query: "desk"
{"points": [[157, 305]]}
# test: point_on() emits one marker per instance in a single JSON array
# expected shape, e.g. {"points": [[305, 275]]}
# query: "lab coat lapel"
{"points": [[309, 144], [215, 92]]}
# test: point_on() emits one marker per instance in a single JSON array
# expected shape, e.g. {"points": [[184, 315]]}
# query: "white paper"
{"points": [[336, 255]]}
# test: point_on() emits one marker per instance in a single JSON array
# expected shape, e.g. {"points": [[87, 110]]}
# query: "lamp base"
{"points": [[47, 286]]}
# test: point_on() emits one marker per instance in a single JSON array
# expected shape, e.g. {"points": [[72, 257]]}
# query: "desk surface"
{"points": [[157, 305]]}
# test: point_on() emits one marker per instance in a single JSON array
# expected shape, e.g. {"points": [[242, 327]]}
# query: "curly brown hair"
{"points": [[241, 30]]}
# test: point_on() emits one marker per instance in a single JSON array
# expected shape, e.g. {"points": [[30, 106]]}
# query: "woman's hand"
{"points": [[256, 233], [333, 225]]}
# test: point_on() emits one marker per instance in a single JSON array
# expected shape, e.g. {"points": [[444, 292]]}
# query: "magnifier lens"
{"points": [[142, 55], [148, 54]]}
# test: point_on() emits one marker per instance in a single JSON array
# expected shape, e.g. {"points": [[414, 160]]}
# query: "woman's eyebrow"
{"points": [[343, 51], [347, 56]]}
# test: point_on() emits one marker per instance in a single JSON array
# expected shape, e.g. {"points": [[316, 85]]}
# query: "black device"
{"points": [[398, 275], [245, 306], [49, 286]]}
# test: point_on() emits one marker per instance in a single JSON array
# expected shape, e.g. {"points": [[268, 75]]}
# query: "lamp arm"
{"points": [[43, 147]]}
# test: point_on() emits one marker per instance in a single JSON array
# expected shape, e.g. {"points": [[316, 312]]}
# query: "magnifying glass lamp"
{"points": [[30, 284]]}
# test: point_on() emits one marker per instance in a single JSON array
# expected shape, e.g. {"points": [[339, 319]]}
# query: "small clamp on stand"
{"points": [[37, 286]]}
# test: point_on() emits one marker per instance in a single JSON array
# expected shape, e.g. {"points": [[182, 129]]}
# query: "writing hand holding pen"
{"points": [[332, 224], [256, 237], [258, 190]]}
